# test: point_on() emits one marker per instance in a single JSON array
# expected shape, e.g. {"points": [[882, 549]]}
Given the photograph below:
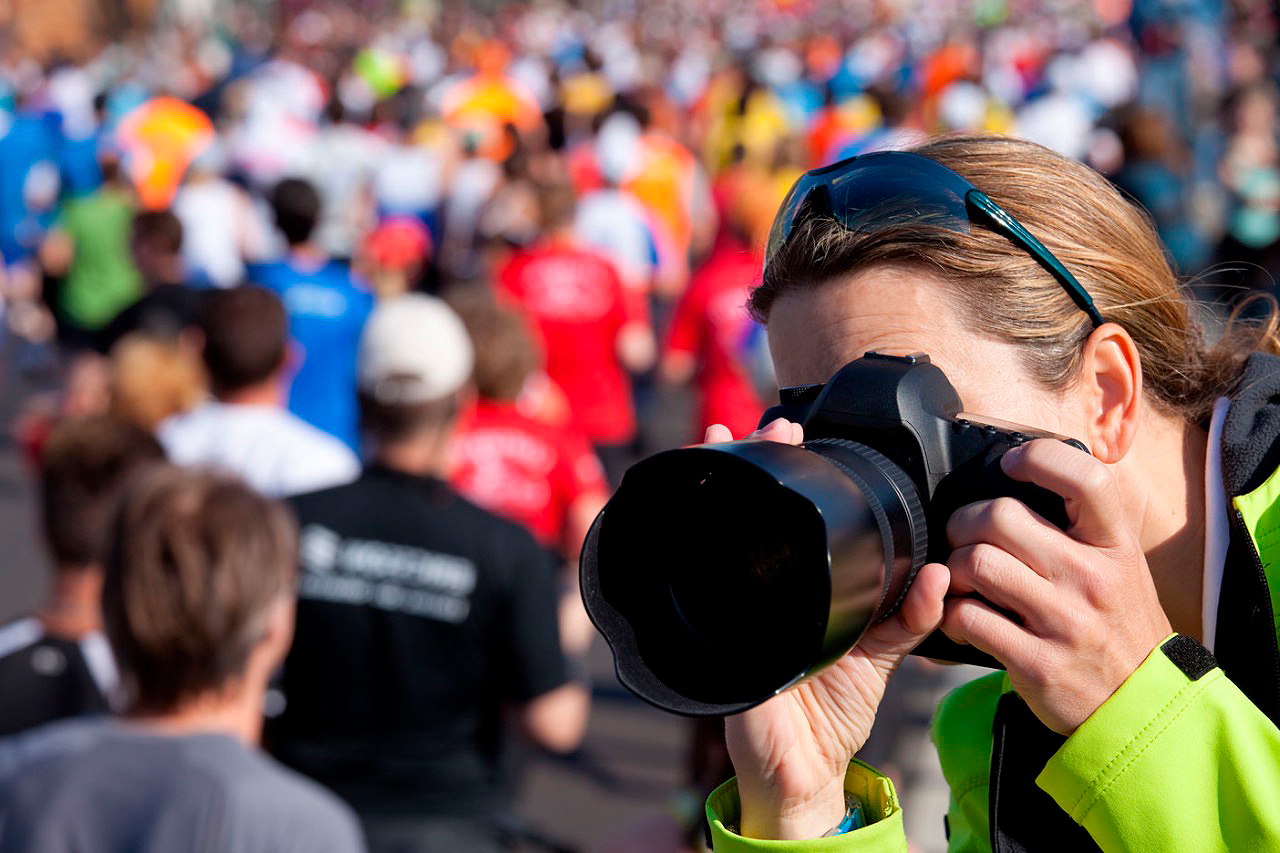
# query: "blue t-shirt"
{"points": [[327, 308], [31, 140], [81, 173]]}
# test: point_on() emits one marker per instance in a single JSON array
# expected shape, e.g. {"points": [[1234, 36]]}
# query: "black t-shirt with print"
{"points": [[420, 616], [45, 678]]}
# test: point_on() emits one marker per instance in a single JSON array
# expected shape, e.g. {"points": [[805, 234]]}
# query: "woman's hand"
{"points": [[791, 752], [1080, 610]]}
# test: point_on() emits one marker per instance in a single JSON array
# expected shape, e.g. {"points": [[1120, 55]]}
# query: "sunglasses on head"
{"points": [[891, 188]]}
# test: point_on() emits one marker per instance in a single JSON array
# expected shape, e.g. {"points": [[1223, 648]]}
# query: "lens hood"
{"points": [[722, 574]]}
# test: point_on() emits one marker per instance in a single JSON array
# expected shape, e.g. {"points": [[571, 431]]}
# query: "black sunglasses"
{"points": [[891, 188]]}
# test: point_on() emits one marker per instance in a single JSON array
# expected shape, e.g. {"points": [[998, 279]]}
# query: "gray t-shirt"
{"points": [[102, 786]]}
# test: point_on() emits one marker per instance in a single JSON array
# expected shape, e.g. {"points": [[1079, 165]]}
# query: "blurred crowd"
{"points": [[380, 258]]}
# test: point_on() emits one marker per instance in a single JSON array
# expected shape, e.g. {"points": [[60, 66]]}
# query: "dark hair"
{"points": [[1003, 293], [245, 333], [296, 206], [389, 423], [109, 166], [160, 229], [84, 465], [505, 353], [198, 560]]}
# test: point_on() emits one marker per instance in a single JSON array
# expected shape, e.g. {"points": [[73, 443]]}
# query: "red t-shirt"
{"points": [[711, 324], [523, 469], [576, 305]]}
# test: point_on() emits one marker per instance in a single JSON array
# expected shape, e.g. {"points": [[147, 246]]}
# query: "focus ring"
{"points": [[905, 490]]}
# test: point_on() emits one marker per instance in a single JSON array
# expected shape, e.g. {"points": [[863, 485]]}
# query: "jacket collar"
{"points": [[1251, 434]]}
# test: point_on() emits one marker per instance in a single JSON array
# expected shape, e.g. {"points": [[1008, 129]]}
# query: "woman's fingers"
{"points": [[1011, 526], [717, 434], [780, 430], [1004, 582], [973, 622], [1087, 486]]}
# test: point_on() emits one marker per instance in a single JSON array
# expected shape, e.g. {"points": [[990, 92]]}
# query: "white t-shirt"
{"points": [[614, 223], [274, 451], [219, 226], [342, 160], [408, 180]]}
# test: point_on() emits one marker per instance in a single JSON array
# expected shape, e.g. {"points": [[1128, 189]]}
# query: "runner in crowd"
{"points": [[89, 249], [593, 332], [712, 341], [167, 307], [512, 463], [245, 428], [56, 662], [421, 617], [327, 308], [509, 461]]}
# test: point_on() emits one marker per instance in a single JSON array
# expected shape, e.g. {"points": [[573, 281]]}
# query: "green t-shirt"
{"points": [[102, 279]]}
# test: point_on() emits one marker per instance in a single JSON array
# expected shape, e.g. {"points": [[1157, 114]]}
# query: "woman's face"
{"points": [[901, 310]]}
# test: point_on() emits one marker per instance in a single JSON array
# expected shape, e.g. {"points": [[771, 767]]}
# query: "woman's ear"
{"points": [[1110, 386]]}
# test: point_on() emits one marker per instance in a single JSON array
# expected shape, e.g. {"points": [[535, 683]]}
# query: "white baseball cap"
{"points": [[414, 350]]}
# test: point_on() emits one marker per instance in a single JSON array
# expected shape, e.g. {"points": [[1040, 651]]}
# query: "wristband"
{"points": [[853, 817]]}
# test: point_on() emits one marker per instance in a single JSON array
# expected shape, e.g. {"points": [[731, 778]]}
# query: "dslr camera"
{"points": [[722, 574]]}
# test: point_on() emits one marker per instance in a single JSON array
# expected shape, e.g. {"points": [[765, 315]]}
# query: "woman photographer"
{"points": [[1114, 728]]}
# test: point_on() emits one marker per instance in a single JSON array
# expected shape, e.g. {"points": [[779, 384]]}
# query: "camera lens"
{"points": [[722, 574]]}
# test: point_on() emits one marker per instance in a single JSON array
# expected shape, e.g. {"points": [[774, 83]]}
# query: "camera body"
{"points": [[722, 574], [906, 409]]}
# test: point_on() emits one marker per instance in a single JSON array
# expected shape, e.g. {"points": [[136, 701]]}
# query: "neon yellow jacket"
{"points": [[1178, 759], [1166, 764]]}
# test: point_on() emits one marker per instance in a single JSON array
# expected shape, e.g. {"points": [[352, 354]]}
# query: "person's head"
{"points": [[198, 589], [246, 337], [295, 203], [414, 360], [505, 353], [394, 254], [1004, 330], [156, 245], [557, 206], [153, 378], [84, 465], [109, 167]]}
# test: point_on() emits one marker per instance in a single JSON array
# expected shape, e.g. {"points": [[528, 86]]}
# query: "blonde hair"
{"points": [[1106, 242], [154, 378]]}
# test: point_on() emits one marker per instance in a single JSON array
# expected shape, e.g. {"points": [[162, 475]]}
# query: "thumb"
{"points": [[888, 642]]}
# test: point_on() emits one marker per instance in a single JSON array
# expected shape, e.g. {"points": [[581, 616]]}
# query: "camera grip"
{"points": [[990, 482]]}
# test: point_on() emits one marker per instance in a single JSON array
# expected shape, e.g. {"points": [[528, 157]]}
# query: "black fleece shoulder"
{"points": [[1251, 433]]}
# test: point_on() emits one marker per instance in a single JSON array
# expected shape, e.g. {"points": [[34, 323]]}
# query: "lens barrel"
{"points": [[722, 574]]}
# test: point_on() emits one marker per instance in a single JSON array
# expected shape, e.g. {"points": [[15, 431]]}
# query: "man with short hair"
{"points": [[246, 429], [544, 477], [327, 307], [168, 307], [56, 663], [198, 604], [421, 616]]}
